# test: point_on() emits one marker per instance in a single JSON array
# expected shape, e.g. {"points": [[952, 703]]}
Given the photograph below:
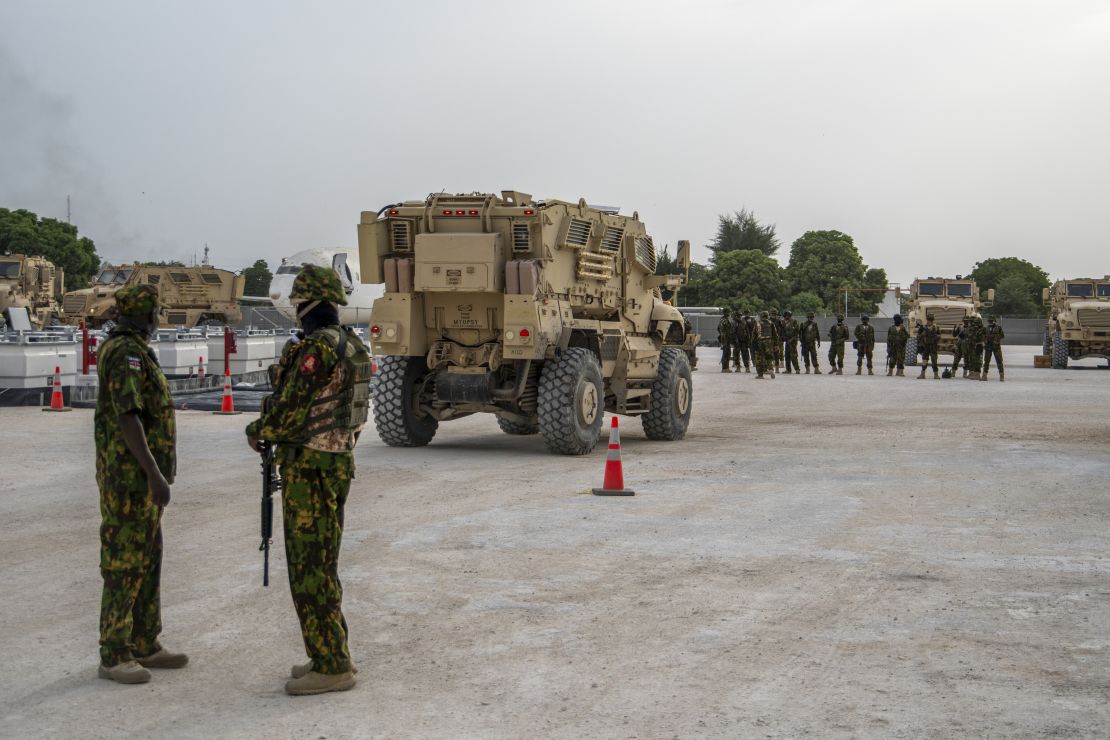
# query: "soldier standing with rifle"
{"points": [[992, 346], [865, 345], [928, 340], [767, 338], [777, 321], [896, 338], [314, 417], [838, 335], [743, 338], [724, 337], [790, 333], [811, 340], [977, 332], [136, 460], [963, 348]]}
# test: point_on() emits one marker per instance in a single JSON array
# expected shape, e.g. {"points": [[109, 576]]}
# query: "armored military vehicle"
{"points": [[192, 295], [544, 313], [32, 283], [1079, 320], [948, 301]]}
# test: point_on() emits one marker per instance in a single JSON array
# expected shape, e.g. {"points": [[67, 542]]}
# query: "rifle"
{"points": [[270, 483]]}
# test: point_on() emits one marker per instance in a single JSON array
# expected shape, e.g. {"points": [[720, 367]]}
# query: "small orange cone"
{"points": [[614, 472], [228, 404], [57, 400], [200, 367]]}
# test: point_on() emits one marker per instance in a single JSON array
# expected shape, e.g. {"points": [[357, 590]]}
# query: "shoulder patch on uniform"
{"points": [[134, 362], [309, 364]]}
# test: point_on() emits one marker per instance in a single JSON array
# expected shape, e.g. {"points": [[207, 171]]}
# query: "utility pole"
{"points": [[67, 210]]}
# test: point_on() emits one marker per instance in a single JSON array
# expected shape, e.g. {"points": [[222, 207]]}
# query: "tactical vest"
{"points": [[341, 408]]}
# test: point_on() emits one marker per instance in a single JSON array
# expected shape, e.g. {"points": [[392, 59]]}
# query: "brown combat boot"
{"points": [[936, 375], [870, 371], [816, 370], [319, 683], [859, 371], [163, 659], [901, 373], [725, 370], [983, 375], [922, 375], [889, 371], [1001, 376], [129, 671], [300, 671], [840, 371], [747, 369]]}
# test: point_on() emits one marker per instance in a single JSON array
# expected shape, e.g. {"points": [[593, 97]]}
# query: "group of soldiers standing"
{"points": [[771, 342]]}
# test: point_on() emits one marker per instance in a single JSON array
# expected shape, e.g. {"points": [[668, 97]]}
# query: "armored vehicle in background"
{"points": [[32, 283], [1079, 320], [948, 301], [192, 295], [544, 313]]}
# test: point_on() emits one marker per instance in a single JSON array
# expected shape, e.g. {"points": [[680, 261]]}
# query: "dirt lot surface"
{"points": [[822, 556]]}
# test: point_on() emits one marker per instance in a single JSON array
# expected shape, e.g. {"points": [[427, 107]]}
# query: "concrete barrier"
{"points": [[255, 351]]}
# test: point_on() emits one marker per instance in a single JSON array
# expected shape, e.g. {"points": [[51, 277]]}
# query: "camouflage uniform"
{"points": [[896, 338], [791, 330], [131, 381], [992, 347], [724, 337], [746, 330], [838, 335], [962, 350], [312, 384], [865, 346], [976, 344], [928, 340], [777, 321], [811, 340], [768, 339]]}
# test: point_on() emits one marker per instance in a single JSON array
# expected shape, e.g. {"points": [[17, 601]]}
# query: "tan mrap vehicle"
{"points": [[31, 283], [948, 301], [544, 313], [1079, 323], [192, 295]]}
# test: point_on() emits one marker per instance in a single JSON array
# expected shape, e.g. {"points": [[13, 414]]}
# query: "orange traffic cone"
{"points": [[200, 367], [614, 472], [228, 404], [57, 400]]}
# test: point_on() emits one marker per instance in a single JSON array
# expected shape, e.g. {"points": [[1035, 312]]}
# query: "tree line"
{"points": [[743, 273]]}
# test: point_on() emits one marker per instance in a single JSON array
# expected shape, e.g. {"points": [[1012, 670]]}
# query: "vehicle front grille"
{"points": [[611, 242], [645, 252], [1092, 318], [74, 305], [401, 234], [578, 233], [522, 240], [946, 318]]}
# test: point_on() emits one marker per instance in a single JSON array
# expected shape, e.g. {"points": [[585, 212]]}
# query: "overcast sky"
{"points": [[935, 133]]}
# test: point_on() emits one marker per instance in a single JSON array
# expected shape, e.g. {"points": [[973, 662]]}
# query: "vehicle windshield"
{"points": [[288, 269], [122, 275], [1104, 290], [106, 277], [959, 290], [1080, 290], [933, 289], [9, 269]]}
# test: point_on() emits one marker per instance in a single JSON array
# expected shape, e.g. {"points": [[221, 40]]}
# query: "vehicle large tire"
{"points": [[1047, 348], [1059, 353], [508, 426], [571, 402], [910, 358], [672, 398], [393, 391]]}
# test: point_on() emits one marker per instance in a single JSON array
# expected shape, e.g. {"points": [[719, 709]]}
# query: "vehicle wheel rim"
{"points": [[587, 403], [682, 397]]}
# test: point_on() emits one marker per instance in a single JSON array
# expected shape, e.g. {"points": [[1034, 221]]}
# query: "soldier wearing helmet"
{"points": [[896, 338], [992, 347], [811, 340], [865, 345], [838, 335], [791, 331], [314, 416], [767, 337], [928, 341]]}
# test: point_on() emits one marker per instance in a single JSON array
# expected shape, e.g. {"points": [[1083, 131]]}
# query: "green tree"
{"points": [[990, 272], [696, 291], [742, 232], [23, 232], [1012, 298], [258, 277], [746, 279], [803, 303], [823, 262], [665, 264]]}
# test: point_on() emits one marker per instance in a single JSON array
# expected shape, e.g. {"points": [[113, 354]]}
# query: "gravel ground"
{"points": [[832, 557]]}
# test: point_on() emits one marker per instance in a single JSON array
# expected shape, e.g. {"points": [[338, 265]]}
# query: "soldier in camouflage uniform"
{"points": [[896, 338], [777, 321], [742, 341], [811, 340], [962, 350], [791, 330], [838, 335], [136, 462], [992, 347], [724, 337], [928, 340], [767, 338], [865, 345], [976, 343], [314, 416]]}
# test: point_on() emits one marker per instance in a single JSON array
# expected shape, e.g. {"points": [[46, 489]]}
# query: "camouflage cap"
{"points": [[137, 301], [840, 317], [775, 311], [810, 315], [763, 315], [992, 318], [929, 317], [314, 283], [787, 313], [865, 318]]}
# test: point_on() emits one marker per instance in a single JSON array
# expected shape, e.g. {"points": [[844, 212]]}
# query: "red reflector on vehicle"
{"points": [[393, 211], [459, 213], [524, 333], [528, 211], [472, 213], [375, 329]]}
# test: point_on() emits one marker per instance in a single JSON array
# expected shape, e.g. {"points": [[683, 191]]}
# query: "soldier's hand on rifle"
{"points": [[255, 443]]}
